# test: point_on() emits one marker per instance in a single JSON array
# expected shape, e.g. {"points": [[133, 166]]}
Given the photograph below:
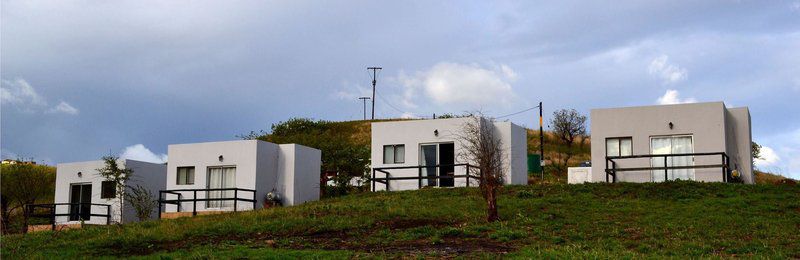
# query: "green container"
{"points": [[534, 164]]}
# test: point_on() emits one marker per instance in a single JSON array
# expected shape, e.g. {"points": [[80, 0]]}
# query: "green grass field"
{"points": [[676, 219]]}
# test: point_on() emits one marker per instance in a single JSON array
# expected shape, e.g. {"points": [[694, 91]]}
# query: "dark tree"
{"points": [[568, 125], [23, 184]]}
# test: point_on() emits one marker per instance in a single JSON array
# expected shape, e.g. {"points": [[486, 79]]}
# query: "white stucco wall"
{"points": [[415, 133], [145, 174], [300, 173], [707, 123]]}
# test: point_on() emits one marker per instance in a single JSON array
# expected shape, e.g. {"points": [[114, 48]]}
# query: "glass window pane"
{"points": [[388, 154], [612, 147], [399, 153], [190, 175], [625, 147]]}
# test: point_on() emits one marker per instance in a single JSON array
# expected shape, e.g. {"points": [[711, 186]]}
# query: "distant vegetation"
{"points": [[22, 184], [599, 220]]}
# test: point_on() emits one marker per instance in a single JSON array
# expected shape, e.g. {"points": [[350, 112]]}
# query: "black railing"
{"points": [[420, 177], [612, 169], [74, 210], [162, 198]]}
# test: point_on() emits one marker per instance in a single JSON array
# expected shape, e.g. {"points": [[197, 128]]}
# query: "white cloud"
{"points": [[469, 85], [669, 73], [768, 157], [20, 94], [65, 108], [140, 153], [673, 97], [795, 6], [408, 115]]}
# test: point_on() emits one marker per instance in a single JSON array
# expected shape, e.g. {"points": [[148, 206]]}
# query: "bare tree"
{"points": [[142, 200], [482, 146], [568, 125], [118, 175]]}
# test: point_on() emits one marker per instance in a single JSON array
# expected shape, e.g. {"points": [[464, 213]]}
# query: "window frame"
{"points": [[186, 178], [619, 145], [394, 153], [103, 191]]}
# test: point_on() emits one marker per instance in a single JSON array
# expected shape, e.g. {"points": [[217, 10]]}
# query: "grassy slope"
{"points": [[593, 220]]}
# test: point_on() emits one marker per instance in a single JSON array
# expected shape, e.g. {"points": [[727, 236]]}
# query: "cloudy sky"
{"points": [[81, 79]]}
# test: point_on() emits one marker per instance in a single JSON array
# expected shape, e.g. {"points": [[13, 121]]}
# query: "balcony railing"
{"points": [[612, 169], [76, 210], [420, 177], [179, 199]]}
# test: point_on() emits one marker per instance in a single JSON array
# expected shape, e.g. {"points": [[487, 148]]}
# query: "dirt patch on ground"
{"points": [[354, 240]]}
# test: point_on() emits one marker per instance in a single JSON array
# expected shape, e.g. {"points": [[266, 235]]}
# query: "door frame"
{"points": [[438, 159], [89, 215], [208, 185], [670, 150]]}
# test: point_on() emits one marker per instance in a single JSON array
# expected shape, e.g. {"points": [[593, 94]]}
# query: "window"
{"points": [[185, 175], [620, 146], [108, 190], [395, 153]]}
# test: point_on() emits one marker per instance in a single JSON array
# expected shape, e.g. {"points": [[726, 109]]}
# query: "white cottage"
{"points": [[82, 195], [238, 175], [425, 153]]}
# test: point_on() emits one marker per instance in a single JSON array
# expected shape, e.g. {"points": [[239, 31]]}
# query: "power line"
{"points": [[518, 112], [390, 104]]}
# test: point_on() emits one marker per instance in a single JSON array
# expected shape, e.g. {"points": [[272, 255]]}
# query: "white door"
{"points": [[221, 177], [672, 145]]}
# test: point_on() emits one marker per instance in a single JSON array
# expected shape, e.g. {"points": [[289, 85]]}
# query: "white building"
{"points": [[291, 170], [90, 195], [400, 147], [634, 144]]}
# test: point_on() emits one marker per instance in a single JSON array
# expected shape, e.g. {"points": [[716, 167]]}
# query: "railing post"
{"points": [[606, 169], [108, 215], [160, 192], [254, 199], [373, 180], [194, 202], [387, 181], [235, 198], [665, 168], [419, 173], [614, 168], [53, 217]]}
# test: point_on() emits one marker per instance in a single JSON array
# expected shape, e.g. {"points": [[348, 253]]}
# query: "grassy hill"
{"points": [[674, 219]]}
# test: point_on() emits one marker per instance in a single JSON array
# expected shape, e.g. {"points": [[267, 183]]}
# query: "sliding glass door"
{"points": [[80, 197], [218, 178], [672, 145]]}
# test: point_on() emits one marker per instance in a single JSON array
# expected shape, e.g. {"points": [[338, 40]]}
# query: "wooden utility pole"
{"points": [[374, 81], [541, 140], [364, 99]]}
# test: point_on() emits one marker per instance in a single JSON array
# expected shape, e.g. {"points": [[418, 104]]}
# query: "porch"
{"points": [[217, 196], [667, 164], [426, 175]]}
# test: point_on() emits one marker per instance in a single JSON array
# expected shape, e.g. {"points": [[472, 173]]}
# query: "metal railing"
{"points": [[51, 211], [385, 180], [162, 198], [612, 169]]}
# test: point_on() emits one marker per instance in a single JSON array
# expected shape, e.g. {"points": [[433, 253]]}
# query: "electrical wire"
{"points": [[518, 112]]}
